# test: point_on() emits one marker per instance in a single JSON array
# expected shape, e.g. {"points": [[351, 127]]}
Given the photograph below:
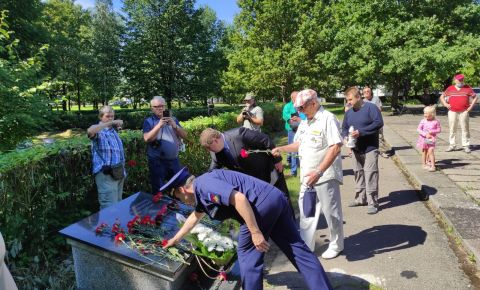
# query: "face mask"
{"points": [[459, 85]]}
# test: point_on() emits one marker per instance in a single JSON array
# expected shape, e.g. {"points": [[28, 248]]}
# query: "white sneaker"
{"points": [[330, 254], [450, 149], [467, 150]]}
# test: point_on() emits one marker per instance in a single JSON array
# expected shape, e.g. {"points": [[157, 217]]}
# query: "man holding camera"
{"points": [[108, 157], [251, 117], [162, 134]]}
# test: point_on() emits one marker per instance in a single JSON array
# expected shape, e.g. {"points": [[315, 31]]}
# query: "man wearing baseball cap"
{"points": [[318, 142], [459, 99], [251, 117]]}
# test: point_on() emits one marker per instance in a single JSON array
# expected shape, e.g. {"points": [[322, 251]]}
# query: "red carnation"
{"points": [[120, 237], [146, 220], [99, 230], [163, 211], [164, 243], [157, 197], [132, 163], [243, 153], [222, 276]]}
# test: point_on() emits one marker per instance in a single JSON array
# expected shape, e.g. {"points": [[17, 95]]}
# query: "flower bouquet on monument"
{"points": [[215, 243]]}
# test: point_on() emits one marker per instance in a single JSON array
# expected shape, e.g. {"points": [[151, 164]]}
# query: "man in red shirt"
{"points": [[459, 99]]}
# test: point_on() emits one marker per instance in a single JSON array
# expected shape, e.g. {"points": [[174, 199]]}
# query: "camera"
{"points": [[107, 169], [166, 114], [156, 144]]}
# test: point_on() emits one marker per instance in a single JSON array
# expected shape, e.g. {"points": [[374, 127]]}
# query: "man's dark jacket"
{"points": [[259, 165]]}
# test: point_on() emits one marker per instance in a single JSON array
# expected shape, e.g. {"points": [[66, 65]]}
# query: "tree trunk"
{"points": [[78, 98]]}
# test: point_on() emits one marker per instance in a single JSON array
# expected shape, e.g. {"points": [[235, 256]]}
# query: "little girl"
{"points": [[428, 129]]}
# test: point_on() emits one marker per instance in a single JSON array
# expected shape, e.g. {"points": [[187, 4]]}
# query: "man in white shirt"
{"points": [[318, 142]]}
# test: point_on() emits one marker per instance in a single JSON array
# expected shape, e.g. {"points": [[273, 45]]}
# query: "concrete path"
{"points": [[454, 189], [402, 247]]}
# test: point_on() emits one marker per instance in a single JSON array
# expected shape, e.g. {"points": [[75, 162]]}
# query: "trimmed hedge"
{"points": [[45, 188], [133, 119]]}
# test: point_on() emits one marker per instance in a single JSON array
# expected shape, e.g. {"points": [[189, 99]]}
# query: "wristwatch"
{"points": [[319, 172]]}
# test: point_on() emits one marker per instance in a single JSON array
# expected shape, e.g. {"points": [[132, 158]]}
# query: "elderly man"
{"points": [[459, 99], [367, 121], [225, 150], [318, 143], [162, 134], [108, 157], [263, 212], [251, 117]]}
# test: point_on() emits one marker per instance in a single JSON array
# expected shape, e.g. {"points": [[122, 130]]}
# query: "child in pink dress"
{"points": [[428, 129]]}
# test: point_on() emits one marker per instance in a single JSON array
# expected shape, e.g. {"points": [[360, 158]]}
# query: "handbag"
{"points": [[309, 202]]}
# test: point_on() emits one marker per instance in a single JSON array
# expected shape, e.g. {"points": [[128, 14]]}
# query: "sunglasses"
{"points": [[159, 106]]}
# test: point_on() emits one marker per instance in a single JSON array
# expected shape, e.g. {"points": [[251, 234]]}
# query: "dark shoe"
{"points": [[372, 209], [356, 203]]}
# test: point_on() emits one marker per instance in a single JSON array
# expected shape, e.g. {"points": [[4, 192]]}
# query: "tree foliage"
{"points": [[23, 109], [411, 46]]}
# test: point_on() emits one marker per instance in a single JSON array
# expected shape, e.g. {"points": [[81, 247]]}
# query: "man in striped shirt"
{"points": [[459, 99]]}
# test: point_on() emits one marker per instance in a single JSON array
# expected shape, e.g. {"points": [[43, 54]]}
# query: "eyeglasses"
{"points": [[159, 106], [301, 108]]}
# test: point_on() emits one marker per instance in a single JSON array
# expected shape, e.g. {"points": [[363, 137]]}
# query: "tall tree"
{"points": [[166, 43], [107, 30], [23, 18], [23, 108], [66, 23]]}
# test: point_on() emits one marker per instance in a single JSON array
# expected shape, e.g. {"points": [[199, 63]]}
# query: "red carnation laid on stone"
{"points": [[132, 163]]}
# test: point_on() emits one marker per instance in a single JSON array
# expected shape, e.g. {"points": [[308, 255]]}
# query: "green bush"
{"points": [[133, 119], [48, 187]]}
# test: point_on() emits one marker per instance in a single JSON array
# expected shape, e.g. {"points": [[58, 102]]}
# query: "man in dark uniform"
{"points": [[225, 151], [262, 211]]}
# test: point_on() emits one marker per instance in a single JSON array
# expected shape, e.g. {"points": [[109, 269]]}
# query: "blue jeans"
{"points": [[109, 190], [162, 170], [293, 157]]}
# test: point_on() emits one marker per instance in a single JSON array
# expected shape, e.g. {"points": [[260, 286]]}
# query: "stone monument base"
{"points": [[98, 269]]}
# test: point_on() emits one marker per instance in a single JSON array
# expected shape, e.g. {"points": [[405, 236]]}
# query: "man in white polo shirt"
{"points": [[318, 142]]}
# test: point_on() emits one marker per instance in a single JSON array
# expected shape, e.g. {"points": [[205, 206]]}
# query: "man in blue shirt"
{"points": [[107, 151], [162, 134], [262, 211], [367, 121]]}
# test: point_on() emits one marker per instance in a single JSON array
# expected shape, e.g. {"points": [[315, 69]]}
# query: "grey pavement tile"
{"points": [[465, 221], [468, 185], [474, 194], [466, 178], [461, 171]]}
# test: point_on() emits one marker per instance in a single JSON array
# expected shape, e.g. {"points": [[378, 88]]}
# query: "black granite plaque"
{"points": [[137, 204]]}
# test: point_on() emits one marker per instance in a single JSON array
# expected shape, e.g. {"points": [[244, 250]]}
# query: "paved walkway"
{"points": [[454, 189], [402, 247]]}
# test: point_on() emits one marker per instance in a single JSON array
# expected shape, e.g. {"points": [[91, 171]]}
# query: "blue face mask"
{"points": [[459, 85]]}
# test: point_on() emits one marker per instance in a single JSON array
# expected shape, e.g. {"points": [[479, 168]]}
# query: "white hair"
{"points": [[104, 110], [158, 98]]}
